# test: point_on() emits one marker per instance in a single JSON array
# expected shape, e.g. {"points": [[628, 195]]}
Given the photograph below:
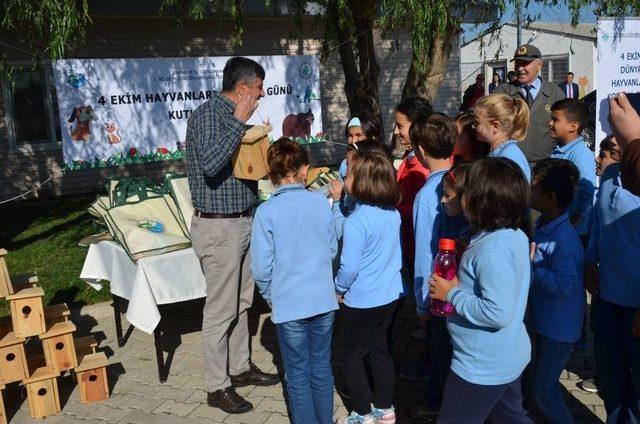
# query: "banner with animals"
{"points": [[122, 111]]}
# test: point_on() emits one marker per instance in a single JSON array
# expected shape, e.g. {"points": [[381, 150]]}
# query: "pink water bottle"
{"points": [[446, 267]]}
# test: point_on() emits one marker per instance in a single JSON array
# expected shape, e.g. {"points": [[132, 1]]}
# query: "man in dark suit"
{"points": [[570, 88]]}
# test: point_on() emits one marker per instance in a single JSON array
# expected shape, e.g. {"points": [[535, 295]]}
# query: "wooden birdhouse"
{"points": [[10, 284], [250, 160], [58, 346], [27, 313], [42, 392], [13, 362], [56, 313], [85, 345], [3, 413], [92, 378]]}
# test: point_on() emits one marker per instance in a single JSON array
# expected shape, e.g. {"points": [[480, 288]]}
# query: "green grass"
{"points": [[43, 237]]}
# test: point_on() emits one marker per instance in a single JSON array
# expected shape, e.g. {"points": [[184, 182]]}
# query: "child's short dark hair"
{"points": [[605, 144], [496, 195], [285, 157], [414, 107], [370, 126], [374, 180], [575, 110], [559, 176], [436, 134]]}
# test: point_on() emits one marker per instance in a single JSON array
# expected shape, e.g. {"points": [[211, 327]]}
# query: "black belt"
{"points": [[201, 214]]}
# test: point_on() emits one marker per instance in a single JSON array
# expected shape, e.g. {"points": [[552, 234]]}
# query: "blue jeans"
{"points": [[305, 346], [551, 358], [617, 360]]}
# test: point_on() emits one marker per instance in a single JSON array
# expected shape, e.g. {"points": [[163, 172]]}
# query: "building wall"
{"points": [[114, 37], [475, 55]]}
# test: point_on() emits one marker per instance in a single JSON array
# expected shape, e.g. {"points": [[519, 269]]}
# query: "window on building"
{"points": [[31, 109], [555, 68]]}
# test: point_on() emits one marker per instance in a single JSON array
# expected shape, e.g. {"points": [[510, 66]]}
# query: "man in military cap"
{"points": [[539, 95]]}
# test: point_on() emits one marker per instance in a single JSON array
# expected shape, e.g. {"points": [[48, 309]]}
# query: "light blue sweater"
{"points": [[557, 296], [490, 343], [510, 150], [292, 245], [429, 225], [579, 154], [615, 240], [369, 273]]}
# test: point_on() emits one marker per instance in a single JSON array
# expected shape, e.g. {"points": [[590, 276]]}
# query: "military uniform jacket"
{"points": [[538, 144]]}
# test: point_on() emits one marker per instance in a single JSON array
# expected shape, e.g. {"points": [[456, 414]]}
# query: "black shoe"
{"points": [[254, 377], [229, 401]]}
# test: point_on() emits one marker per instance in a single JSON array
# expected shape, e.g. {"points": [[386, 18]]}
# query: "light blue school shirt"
{"points": [[430, 224], [292, 245], [535, 88], [557, 296], [510, 150], [615, 240], [490, 343], [371, 259], [342, 171], [579, 154]]}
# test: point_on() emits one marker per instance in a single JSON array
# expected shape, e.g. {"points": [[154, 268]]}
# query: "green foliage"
{"points": [[130, 157], [47, 26], [43, 237]]}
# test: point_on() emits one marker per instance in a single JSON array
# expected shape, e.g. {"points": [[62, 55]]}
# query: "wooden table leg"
{"points": [[159, 355], [115, 301]]}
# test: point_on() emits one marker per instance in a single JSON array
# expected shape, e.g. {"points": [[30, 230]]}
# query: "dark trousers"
{"points": [[363, 337], [468, 403], [440, 354], [617, 355]]}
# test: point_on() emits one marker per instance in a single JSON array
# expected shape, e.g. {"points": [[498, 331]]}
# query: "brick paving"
{"points": [[138, 398]]}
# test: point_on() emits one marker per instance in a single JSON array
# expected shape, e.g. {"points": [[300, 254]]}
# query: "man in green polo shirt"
{"points": [[539, 95]]}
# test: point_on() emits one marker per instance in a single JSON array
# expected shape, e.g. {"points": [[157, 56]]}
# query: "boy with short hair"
{"points": [[568, 119], [557, 296], [609, 154], [433, 140]]}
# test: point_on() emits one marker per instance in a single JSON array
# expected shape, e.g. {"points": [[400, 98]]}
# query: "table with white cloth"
{"points": [[155, 280]]}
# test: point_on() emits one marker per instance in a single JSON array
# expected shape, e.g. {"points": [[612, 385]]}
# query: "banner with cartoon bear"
{"points": [[122, 111]]}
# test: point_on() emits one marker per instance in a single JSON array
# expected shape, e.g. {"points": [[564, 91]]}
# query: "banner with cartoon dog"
{"points": [[123, 111]]}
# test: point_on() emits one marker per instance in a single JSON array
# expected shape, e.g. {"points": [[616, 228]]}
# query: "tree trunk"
{"points": [[359, 63], [426, 82]]}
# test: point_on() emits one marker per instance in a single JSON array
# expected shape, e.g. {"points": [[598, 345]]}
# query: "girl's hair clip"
{"points": [[453, 177]]}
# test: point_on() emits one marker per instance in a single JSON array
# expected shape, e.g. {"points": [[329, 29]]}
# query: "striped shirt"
{"points": [[213, 135]]}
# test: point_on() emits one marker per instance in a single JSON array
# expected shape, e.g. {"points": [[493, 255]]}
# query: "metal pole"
{"points": [[519, 21]]}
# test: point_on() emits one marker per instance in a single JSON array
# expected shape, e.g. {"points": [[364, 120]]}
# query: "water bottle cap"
{"points": [[446, 244]]}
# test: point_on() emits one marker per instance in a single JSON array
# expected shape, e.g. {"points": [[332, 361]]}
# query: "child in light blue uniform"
{"points": [[369, 281], [292, 226], [491, 347], [433, 139], [361, 127], [612, 276], [502, 122], [568, 118], [557, 295]]}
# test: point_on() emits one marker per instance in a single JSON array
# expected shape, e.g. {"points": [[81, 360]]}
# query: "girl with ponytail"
{"points": [[501, 122]]}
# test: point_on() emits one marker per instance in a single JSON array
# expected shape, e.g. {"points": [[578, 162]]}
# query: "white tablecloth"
{"points": [[156, 280]]}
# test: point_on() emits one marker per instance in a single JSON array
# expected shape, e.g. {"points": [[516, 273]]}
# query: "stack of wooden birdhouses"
{"points": [[37, 344]]}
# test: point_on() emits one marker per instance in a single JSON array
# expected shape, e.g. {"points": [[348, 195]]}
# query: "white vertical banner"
{"points": [[617, 67], [122, 111]]}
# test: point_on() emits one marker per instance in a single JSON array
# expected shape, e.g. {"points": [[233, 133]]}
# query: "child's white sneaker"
{"points": [[355, 418], [384, 416]]}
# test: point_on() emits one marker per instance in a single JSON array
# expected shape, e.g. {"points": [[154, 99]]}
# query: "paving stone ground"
{"points": [[138, 398]]}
